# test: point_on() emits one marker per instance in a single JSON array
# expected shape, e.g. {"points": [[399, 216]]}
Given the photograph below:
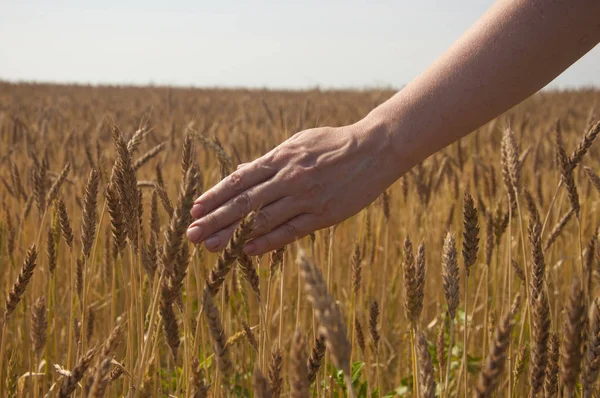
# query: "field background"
{"points": [[44, 127]]}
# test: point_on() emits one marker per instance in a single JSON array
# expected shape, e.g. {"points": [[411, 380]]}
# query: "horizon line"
{"points": [[291, 88]]}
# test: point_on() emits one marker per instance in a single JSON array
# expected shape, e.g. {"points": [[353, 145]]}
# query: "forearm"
{"points": [[512, 51]]}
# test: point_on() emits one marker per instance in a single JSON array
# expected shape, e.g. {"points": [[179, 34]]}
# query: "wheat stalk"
{"points": [[55, 188], [274, 374], [89, 223], [213, 318], [496, 360], [329, 317], [65, 224], [591, 362], [571, 347], [151, 154], [451, 290], [520, 364], [230, 254], [551, 379], [315, 359], [539, 347], [101, 379], [414, 281], [76, 375], [585, 144], [199, 388], [39, 325], [299, 385], [566, 172], [249, 272], [18, 289], [426, 373]]}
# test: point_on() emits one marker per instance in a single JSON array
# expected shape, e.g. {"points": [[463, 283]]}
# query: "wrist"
{"points": [[397, 145], [376, 134]]}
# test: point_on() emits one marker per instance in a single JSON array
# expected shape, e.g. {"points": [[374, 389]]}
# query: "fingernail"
{"points": [[194, 234], [250, 249], [213, 242], [197, 211]]}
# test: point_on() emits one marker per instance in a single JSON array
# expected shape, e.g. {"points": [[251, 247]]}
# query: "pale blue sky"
{"points": [[281, 44]]}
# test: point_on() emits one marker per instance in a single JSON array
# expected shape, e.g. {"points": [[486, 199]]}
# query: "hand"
{"points": [[315, 179]]}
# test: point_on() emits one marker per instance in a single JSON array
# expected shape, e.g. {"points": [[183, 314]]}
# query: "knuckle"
{"points": [[291, 231], [306, 159], [270, 158], [235, 180], [264, 221], [212, 221], [281, 154], [244, 202], [293, 154], [296, 176]]}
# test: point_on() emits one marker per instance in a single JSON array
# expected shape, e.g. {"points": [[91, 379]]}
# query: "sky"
{"points": [[234, 43]]}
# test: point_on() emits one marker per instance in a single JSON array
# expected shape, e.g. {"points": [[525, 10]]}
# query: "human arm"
{"points": [[320, 177], [512, 51]]}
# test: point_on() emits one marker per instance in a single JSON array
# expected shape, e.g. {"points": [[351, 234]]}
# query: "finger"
{"points": [[233, 211], [219, 241], [267, 218], [242, 165], [273, 215], [296, 228], [231, 186]]}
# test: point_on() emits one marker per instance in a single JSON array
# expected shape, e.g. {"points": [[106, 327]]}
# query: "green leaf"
{"points": [[207, 362], [362, 391], [339, 378], [357, 367]]}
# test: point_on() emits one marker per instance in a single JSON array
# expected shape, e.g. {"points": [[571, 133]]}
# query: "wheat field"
{"points": [[476, 274]]}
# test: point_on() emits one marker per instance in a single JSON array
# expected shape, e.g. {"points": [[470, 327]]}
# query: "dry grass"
{"points": [[105, 296]]}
